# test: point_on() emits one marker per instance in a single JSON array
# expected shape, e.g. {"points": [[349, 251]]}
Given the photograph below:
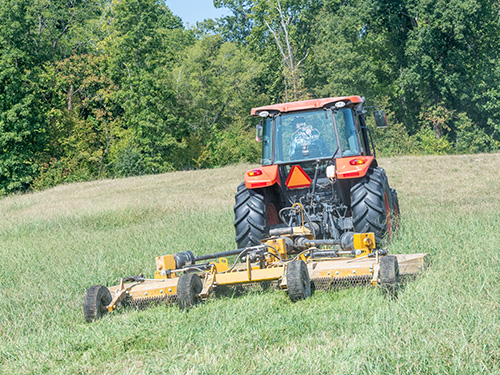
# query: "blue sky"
{"points": [[192, 11]]}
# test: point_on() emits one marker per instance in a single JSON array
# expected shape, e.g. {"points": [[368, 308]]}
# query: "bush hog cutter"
{"points": [[291, 258], [311, 217]]}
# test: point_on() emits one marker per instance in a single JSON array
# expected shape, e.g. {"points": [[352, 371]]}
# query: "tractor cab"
{"points": [[313, 130]]}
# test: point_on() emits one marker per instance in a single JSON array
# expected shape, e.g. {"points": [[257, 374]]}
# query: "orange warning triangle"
{"points": [[297, 178]]}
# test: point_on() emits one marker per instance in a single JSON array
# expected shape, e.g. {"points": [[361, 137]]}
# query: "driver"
{"points": [[303, 138]]}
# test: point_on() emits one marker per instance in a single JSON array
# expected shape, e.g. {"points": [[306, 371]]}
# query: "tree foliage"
{"points": [[109, 88]]}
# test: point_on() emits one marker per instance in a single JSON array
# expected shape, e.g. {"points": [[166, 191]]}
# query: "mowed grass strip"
{"points": [[55, 244]]}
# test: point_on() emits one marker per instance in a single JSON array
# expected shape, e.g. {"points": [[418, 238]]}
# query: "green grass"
{"points": [[57, 243]]}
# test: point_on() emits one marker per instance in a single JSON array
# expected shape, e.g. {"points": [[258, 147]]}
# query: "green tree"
{"points": [[453, 58], [414, 58], [82, 127], [280, 33], [216, 85], [144, 40], [31, 34]]}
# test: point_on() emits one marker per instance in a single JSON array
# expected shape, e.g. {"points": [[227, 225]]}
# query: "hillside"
{"points": [[56, 243]]}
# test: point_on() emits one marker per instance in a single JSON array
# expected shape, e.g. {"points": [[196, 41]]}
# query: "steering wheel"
{"points": [[314, 135], [307, 134]]}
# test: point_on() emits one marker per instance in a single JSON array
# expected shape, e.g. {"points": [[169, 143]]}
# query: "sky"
{"points": [[192, 11]]}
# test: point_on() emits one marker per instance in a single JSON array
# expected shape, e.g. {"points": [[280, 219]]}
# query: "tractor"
{"points": [[318, 153], [313, 216]]}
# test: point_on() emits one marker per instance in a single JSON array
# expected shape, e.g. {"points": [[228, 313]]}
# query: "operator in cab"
{"points": [[306, 141]]}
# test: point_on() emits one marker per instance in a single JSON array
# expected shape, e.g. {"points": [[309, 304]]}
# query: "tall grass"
{"points": [[55, 244]]}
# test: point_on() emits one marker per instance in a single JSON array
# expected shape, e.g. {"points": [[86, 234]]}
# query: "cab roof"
{"points": [[306, 104]]}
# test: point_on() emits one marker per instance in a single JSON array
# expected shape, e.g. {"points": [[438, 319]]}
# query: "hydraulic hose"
{"points": [[228, 253]]}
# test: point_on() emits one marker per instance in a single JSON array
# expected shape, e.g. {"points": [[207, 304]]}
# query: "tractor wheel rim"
{"points": [[272, 215], [396, 216], [388, 216]]}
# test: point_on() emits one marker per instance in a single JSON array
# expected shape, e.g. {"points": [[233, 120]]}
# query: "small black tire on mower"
{"points": [[95, 302], [299, 284], [371, 204], [254, 213], [189, 287], [389, 273]]}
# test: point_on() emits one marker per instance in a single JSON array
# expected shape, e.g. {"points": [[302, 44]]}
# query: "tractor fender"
{"points": [[262, 177], [354, 166]]}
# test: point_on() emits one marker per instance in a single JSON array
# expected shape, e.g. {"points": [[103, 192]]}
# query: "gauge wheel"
{"points": [[95, 302], [189, 288], [299, 284]]}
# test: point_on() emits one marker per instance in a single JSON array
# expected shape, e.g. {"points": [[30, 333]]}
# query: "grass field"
{"points": [[57, 243]]}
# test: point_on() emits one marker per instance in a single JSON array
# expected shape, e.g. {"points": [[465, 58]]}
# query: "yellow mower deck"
{"points": [[179, 280], [328, 271], [409, 264]]}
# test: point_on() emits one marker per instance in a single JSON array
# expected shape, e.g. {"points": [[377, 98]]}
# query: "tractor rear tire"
{"points": [[299, 284], [95, 301], [372, 206], [254, 213], [189, 287]]}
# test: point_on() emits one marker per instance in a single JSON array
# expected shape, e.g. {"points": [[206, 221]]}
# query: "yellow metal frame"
{"points": [[363, 262]]}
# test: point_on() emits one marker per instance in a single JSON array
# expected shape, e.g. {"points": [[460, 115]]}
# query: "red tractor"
{"points": [[317, 153]]}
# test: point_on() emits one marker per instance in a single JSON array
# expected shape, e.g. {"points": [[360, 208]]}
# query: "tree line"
{"points": [[109, 88]]}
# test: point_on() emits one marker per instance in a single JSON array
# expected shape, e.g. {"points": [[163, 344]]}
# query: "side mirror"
{"points": [[380, 119], [259, 132]]}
